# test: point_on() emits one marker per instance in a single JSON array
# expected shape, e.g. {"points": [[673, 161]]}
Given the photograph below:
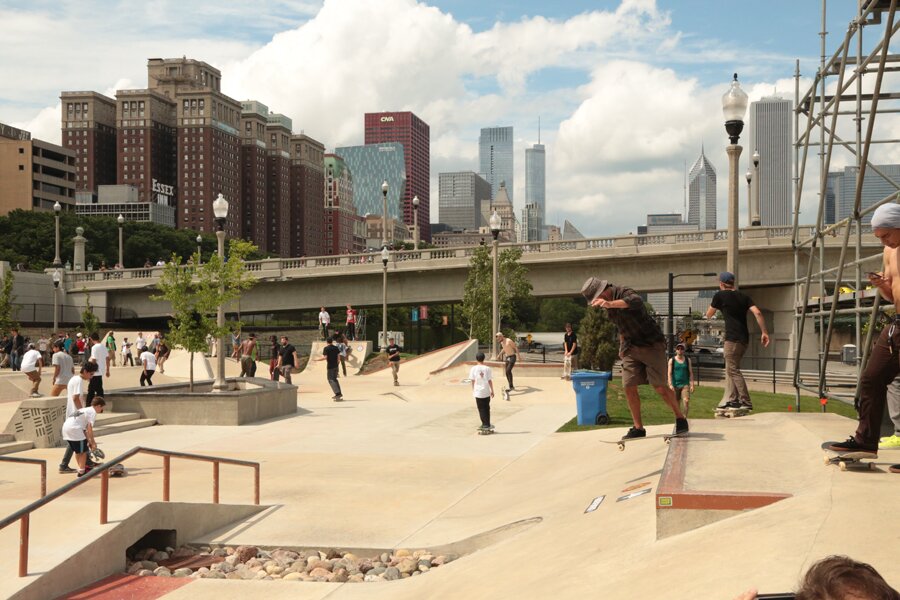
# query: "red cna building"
{"points": [[411, 131]]}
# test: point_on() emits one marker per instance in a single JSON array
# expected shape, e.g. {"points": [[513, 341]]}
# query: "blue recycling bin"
{"points": [[590, 396]]}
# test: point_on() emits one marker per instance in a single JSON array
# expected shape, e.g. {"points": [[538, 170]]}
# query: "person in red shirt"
{"points": [[351, 323]]}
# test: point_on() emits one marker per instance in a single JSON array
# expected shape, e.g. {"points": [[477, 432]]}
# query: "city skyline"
{"points": [[626, 90]]}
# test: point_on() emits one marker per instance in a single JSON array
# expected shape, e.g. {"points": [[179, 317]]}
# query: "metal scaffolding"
{"points": [[848, 91]]}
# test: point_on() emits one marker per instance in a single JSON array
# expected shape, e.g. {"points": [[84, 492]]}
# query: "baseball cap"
{"points": [[679, 345], [593, 287], [726, 277]]}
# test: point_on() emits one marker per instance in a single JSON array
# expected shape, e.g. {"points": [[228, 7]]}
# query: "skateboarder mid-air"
{"points": [[884, 359], [642, 349]]}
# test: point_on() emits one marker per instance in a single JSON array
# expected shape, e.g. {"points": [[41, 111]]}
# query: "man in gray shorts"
{"points": [[642, 348]]}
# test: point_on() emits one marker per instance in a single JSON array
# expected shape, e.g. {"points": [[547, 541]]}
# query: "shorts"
{"points": [[645, 364], [78, 446]]}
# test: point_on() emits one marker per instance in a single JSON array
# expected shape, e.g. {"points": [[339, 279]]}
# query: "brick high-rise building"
{"points": [[344, 229], [414, 134], [147, 156], [307, 220], [278, 187], [89, 130], [254, 117]]}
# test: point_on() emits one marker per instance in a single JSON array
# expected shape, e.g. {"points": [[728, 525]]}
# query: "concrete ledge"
{"points": [[679, 510], [39, 420], [253, 399]]}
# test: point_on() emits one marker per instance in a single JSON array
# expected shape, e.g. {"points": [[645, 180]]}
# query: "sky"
{"points": [[627, 91]]}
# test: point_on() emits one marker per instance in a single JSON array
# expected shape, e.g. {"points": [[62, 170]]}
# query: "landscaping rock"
{"points": [[245, 553], [144, 573], [183, 572], [391, 574], [292, 577], [162, 572]]}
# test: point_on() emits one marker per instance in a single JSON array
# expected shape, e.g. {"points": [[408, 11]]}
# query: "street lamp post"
{"points": [[57, 277], [755, 219], [384, 232], [199, 248], [121, 221], [220, 212], [670, 320], [734, 106], [749, 177], [415, 203], [57, 207], [495, 224], [385, 256]]}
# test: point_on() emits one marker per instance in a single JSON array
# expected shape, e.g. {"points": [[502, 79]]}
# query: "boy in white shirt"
{"points": [[483, 390], [78, 432], [100, 356], [148, 362], [32, 364], [74, 403]]}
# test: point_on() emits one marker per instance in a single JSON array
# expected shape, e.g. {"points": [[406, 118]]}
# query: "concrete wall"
{"points": [[39, 420], [33, 293]]}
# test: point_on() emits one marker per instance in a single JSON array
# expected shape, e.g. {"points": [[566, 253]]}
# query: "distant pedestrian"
{"points": [[324, 322], [331, 354], [63, 368], [18, 349], [110, 342], [510, 353], [393, 352], [32, 365], [99, 355], [570, 352], [162, 354], [148, 366], [681, 379], [140, 344], [248, 352], [126, 352], [75, 394], [43, 346], [235, 344], [343, 348], [78, 432], [351, 322], [287, 359], [6, 351], [482, 379], [734, 306], [154, 343], [274, 349]]}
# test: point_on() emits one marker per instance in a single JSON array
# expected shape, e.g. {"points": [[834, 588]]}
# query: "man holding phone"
{"points": [[884, 359]]}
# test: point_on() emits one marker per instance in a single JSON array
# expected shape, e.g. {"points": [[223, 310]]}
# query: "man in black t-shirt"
{"points": [[393, 352], [331, 354], [287, 359], [570, 348], [734, 306]]}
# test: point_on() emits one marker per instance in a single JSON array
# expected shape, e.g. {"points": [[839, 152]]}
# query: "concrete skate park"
{"points": [[739, 503]]}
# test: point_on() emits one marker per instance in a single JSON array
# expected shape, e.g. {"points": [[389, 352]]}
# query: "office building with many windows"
{"points": [[702, 194], [307, 220], [536, 183], [371, 165], [875, 188], [460, 195], [34, 175], [770, 135], [89, 130], [345, 230], [496, 162]]}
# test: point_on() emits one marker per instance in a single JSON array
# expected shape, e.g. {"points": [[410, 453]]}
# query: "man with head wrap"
{"points": [[884, 359]]}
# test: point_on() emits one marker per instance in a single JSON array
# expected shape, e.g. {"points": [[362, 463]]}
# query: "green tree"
{"points": [[556, 312], [7, 308], [513, 284], [196, 292], [598, 340], [89, 321]]}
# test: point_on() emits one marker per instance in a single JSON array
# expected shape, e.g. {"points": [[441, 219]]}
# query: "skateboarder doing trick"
{"points": [[884, 359], [642, 349], [510, 353]]}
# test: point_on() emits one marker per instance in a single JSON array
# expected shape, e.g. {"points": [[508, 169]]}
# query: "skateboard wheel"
{"points": [[668, 441], [621, 447], [870, 466], [827, 459], [843, 466]]}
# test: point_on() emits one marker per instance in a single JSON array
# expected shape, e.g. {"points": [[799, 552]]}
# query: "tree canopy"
{"points": [[477, 303]]}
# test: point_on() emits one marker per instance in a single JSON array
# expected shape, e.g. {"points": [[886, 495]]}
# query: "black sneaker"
{"points": [[63, 469], [733, 404], [681, 426], [90, 464], [634, 432], [851, 445], [747, 405]]}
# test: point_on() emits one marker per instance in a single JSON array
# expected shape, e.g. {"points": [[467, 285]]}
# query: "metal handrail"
{"points": [[23, 515], [31, 461]]}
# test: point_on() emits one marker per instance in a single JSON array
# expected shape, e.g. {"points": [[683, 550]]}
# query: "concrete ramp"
{"points": [[178, 365], [419, 370], [315, 369]]}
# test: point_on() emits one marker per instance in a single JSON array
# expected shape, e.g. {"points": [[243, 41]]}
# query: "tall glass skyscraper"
{"points": [[495, 158], [536, 184], [874, 189], [370, 165], [459, 199], [770, 134], [702, 194]]}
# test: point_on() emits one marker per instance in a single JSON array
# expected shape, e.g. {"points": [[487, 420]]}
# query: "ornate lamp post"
{"points": [[495, 224], [385, 256], [199, 248], [121, 221], [220, 211], [415, 203], [57, 277], [755, 220], [57, 207], [734, 106], [384, 232]]}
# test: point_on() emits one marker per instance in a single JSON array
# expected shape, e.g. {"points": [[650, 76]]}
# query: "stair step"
{"points": [[108, 418], [124, 426], [10, 447]]}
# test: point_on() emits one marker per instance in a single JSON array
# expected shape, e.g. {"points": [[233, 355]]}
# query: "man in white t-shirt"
{"points": [[148, 364], [32, 364], [483, 390], [74, 403], [99, 356], [324, 322], [78, 432], [140, 343], [63, 368]]}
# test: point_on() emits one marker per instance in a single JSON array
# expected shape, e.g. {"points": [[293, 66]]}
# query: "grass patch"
{"points": [[703, 402]]}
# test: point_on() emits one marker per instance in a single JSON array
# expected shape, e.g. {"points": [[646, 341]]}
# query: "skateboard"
{"points": [[485, 431], [848, 460], [731, 413], [667, 437], [506, 394], [117, 470]]}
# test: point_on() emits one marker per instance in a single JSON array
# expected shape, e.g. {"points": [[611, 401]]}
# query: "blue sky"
{"points": [[627, 90]]}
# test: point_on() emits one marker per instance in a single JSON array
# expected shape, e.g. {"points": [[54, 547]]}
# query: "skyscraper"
{"points": [[495, 158], [307, 221], [702, 194], [344, 228], [414, 134], [459, 199], [370, 166], [874, 189], [535, 183], [89, 130], [254, 116], [278, 189], [770, 135]]}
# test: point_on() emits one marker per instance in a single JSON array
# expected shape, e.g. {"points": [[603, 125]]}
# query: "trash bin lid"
{"points": [[587, 374]]}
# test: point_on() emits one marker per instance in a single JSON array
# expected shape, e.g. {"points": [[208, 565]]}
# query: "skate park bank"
{"points": [[556, 514]]}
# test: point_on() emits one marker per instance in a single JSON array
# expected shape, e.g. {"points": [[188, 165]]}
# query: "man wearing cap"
{"points": [[883, 365], [642, 349], [734, 306]]}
